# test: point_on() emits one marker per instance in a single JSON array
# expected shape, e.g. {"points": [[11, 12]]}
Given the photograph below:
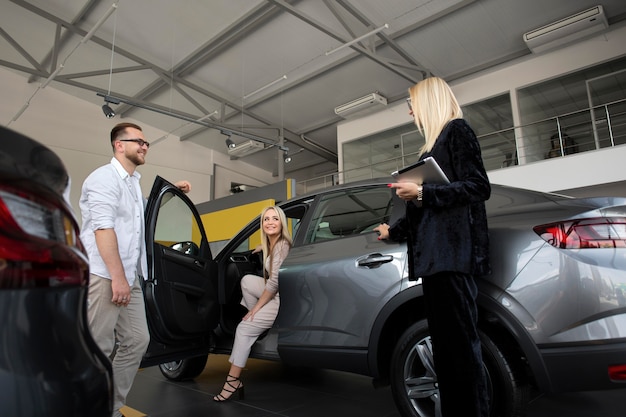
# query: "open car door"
{"points": [[181, 290]]}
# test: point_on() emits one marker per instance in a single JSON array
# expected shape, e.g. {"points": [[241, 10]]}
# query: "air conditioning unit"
{"points": [[245, 149], [361, 106], [567, 30]]}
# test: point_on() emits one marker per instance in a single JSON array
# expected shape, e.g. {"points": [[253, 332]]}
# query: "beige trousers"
{"points": [[127, 325], [247, 332]]}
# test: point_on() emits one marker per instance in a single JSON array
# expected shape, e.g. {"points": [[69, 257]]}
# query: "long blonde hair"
{"points": [[434, 105], [265, 241]]}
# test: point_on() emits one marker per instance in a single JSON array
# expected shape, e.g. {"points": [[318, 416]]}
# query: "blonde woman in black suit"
{"points": [[446, 229]]}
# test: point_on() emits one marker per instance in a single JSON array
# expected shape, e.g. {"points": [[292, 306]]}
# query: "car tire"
{"points": [[412, 371], [185, 369], [509, 391]]}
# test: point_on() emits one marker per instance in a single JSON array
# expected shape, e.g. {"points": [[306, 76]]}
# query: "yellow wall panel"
{"points": [[224, 224]]}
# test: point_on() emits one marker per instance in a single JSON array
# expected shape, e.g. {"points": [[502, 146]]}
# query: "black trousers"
{"points": [[452, 320]]}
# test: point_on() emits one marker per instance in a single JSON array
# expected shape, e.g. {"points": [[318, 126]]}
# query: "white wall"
{"points": [[575, 171], [228, 171], [79, 133], [589, 168]]}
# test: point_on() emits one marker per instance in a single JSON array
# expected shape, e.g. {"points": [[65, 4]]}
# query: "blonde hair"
{"points": [[434, 105], [265, 241]]}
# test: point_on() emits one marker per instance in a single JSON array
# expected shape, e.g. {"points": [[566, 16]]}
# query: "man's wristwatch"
{"points": [[420, 193]]}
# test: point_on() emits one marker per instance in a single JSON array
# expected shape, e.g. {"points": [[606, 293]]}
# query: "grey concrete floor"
{"points": [[275, 390]]}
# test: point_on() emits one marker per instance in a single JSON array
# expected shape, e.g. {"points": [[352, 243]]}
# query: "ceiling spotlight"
{"points": [[289, 155], [230, 143], [108, 111]]}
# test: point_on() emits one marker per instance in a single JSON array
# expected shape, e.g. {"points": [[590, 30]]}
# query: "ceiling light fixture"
{"points": [[230, 144], [284, 77], [106, 109], [201, 121], [288, 156], [360, 38], [109, 113]]}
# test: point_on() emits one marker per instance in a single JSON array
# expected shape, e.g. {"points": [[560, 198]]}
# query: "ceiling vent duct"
{"points": [[569, 29], [245, 149], [361, 106]]}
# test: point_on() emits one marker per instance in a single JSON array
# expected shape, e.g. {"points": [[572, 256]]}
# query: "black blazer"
{"points": [[449, 231]]}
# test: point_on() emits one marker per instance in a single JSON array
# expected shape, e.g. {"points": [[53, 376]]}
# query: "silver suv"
{"points": [[552, 313]]}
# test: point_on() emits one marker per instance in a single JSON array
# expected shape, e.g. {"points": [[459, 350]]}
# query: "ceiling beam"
{"points": [[388, 40], [22, 51], [235, 32], [330, 32], [211, 48], [60, 39]]}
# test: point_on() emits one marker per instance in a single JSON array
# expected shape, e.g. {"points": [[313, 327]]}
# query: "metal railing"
{"points": [[581, 131]]}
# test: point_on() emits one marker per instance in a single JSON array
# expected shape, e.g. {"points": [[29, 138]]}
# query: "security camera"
{"points": [[108, 111]]}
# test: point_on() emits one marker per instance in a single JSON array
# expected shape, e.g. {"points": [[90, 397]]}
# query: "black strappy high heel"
{"points": [[238, 387]]}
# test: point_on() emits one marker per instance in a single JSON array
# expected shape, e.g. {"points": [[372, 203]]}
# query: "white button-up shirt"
{"points": [[111, 199]]}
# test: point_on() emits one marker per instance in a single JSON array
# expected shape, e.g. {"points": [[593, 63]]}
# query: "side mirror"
{"points": [[188, 248]]}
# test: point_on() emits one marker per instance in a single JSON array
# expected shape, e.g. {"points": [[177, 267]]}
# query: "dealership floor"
{"points": [[275, 390]]}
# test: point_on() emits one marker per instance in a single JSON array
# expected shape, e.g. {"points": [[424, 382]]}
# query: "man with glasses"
{"points": [[112, 208]]}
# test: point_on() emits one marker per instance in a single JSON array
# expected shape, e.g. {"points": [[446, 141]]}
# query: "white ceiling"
{"points": [[191, 57]]}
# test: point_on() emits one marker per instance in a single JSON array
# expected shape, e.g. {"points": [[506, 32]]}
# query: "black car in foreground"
{"points": [[49, 363], [552, 313]]}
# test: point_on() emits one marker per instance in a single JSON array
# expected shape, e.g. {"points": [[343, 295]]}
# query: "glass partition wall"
{"points": [[380, 154], [574, 113]]}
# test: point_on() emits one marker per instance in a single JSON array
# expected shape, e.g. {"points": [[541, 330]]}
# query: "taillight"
{"points": [[617, 373], [39, 245], [602, 232]]}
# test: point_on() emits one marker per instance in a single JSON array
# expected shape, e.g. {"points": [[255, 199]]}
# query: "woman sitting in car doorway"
{"points": [[260, 297]]}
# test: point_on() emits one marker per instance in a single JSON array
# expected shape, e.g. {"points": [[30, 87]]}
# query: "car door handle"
{"points": [[374, 261], [183, 259]]}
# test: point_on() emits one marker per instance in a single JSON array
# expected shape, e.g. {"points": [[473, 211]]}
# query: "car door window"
{"points": [[350, 212], [176, 226]]}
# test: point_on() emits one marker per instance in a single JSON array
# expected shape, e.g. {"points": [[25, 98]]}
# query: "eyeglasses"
{"points": [[408, 102], [139, 142]]}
